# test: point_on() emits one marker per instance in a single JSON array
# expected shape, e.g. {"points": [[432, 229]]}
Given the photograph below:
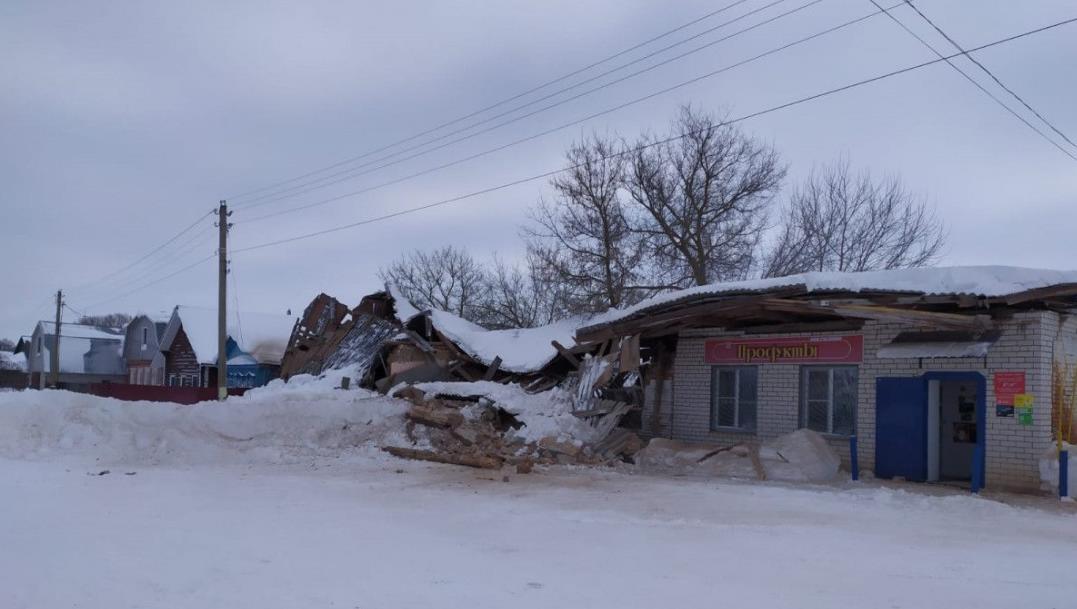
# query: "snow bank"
{"points": [[280, 423], [801, 456], [545, 414], [972, 280]]}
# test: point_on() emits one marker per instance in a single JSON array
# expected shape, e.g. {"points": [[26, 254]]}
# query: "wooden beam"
{"points": [[1053, 291], [881, 313], [565, 353], [492, 370], [820, 326]]}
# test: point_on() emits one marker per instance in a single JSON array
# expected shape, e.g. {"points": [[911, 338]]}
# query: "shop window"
{"points": [[734, 394], [828, 399]]}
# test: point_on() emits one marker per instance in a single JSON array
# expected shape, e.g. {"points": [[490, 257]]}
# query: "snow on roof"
{"points": [[263, 335], [81, 331], [987, 281], [521, 350], [405, 311]]}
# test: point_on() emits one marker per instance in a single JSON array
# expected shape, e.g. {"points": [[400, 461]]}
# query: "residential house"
{"points": [[88, 354], [255, 346], [142, 349]]}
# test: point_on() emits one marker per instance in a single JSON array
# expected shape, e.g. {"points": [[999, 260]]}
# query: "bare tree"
{"points": [[583, 241], [447, 278], [7, 344], [841, 221], [516, 296], [704, 197], [109, 320]]}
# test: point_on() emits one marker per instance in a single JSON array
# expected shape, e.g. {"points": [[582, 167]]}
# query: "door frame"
{"points": [[979, 461]]}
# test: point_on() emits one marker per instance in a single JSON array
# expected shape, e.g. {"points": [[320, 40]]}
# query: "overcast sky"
{"points": [[123, 122]]}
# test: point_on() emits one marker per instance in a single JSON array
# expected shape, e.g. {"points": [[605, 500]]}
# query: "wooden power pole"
{"points": [[54, 356], [222, 301]]}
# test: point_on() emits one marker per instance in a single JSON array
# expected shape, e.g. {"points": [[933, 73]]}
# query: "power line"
{"points": [[155, 282], [178, 254], [73, 310], [145, 257], [353, 172], [548, 174], [972, 80], [989, 73], [502, 102], [572, 123]]}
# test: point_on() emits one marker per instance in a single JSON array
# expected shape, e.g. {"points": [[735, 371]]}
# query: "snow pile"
{"points": [[801, 456], [545, 415], [973, 280], [1049, 469], [279, 423]]}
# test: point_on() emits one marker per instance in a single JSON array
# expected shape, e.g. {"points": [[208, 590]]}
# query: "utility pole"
{"points": [[54, 356], [222, 301]]}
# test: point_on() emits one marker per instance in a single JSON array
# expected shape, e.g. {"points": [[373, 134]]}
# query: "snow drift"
{"points": [[800, 456], [281, 423]]}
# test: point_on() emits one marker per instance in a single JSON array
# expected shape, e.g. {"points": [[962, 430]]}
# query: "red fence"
{"points": [[154, 393]]}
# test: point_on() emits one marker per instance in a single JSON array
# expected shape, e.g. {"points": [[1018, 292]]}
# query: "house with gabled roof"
{"points": [[255, 345]]}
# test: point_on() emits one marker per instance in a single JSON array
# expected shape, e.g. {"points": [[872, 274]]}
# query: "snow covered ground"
{"points": [[270, 519]]}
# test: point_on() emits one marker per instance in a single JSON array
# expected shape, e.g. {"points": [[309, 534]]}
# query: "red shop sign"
{"points": [[803, 350], [1007, 385]]}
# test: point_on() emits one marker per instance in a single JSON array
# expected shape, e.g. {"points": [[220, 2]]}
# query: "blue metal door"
{"points": [[901, 428]]}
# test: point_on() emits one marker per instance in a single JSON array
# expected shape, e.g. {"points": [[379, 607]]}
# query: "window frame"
{"points": [[804, 398], [714, 399]]}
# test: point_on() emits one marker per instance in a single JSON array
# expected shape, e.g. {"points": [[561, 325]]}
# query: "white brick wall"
{"points": [[1027, 344]]}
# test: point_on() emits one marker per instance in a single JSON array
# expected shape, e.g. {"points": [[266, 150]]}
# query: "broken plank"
{"points": [[492, 370], [565, 353], [477, 461]]}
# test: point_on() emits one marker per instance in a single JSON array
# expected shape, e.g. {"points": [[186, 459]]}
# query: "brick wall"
{"points": [[1012, 450]]}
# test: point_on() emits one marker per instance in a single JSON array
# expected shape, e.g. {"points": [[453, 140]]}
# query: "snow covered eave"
{"points": [[969, 286]]}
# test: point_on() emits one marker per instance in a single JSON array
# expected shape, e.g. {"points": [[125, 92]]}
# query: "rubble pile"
{"points": [[475, 425]]}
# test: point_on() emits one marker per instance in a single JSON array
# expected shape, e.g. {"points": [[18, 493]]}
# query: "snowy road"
{"points": [[363, 535]]}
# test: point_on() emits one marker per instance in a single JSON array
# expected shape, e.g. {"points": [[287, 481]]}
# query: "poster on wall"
{"points": [[1007, 386], [1022, 402], [847, 349]]}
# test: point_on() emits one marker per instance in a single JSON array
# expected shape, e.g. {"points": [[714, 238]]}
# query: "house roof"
{"points": [[954, 281], [81, 331], [262, 335]]}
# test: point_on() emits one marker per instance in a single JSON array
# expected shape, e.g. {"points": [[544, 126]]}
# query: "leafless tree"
{"points": [[109, 320], [704, 197], [447, 278], [583, 241], [841, 221], [7, 344], [516, 296]]}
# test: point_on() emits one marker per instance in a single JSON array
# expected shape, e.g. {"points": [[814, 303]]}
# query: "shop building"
{"points": [[940, 374]]}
